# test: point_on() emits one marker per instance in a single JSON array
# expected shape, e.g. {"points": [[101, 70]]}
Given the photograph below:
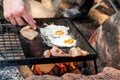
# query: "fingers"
{"points": [[7, 19], [11, 19], [28, 18], [19, 20], [18, 17]]}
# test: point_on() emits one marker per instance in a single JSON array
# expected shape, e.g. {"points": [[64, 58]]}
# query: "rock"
{"points": [[108, 73], [25, 71], [44, 77], [106, 41]]}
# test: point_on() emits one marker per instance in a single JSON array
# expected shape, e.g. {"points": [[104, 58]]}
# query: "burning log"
{"points": [[53, 69], [25, 71], [57, 68], [42, 68]]}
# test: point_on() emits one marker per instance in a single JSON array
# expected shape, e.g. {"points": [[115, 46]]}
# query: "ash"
{"points": [[10, 73]]}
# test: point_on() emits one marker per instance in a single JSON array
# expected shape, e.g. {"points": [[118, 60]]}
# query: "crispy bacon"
{"points": [[55, 51], [73, 52], [58, 52]]}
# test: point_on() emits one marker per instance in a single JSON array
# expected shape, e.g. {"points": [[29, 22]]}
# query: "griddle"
{"points": [[16, 50]]}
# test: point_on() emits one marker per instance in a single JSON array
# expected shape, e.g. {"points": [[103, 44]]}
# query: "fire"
{"points": [[62, 66], [48, 68], [36, 69]]}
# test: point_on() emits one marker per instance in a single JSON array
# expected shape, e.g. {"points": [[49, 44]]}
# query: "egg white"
{"points": [[50, 30]]}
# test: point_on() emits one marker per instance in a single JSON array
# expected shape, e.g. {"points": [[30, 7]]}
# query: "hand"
{"points": [[15, 11]]}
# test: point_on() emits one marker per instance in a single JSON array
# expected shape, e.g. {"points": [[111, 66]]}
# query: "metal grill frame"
{"points": [[6, 29]]}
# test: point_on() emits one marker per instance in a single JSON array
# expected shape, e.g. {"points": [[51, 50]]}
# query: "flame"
{"points": [[62, 67], [36, 69], [71, 65]]}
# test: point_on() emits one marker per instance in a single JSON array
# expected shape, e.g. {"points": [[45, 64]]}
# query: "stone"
{"points": [[106, 41], [108, 73]]}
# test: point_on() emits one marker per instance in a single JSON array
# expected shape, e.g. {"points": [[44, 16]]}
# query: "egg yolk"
{"points": [[69, 41], [59, 32]]}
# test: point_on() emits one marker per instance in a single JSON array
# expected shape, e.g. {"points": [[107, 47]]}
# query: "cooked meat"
{"points": [[28, 33], [74, 52], [77, 52], [47, 53], [55, 51]]}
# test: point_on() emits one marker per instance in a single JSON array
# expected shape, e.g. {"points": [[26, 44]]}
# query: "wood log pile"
{"points": [[100, 13]]}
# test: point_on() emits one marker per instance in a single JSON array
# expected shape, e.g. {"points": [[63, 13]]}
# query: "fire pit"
{"points": [[16, 50]]}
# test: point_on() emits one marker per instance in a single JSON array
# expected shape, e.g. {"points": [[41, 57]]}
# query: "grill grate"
{"points": [[10, 47], [15, 50]]}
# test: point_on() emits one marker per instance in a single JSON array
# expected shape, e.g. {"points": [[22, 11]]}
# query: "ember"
{"points": [[10, 73], [59, 68]]}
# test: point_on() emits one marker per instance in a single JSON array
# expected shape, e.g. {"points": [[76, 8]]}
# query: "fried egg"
{"points": [[63, 41], [54, 30]]}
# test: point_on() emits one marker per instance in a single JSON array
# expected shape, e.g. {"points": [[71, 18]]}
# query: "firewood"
{"points": [[98, 16], [101, 12], [25, 71], [42, 68]]}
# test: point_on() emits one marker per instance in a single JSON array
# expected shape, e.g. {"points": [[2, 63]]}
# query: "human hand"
{"points": [[15, 11]]}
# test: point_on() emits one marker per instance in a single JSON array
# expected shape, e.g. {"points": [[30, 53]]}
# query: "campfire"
{"points": [[26, 71], [52, 69], [13, 46], [58, 68]]}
